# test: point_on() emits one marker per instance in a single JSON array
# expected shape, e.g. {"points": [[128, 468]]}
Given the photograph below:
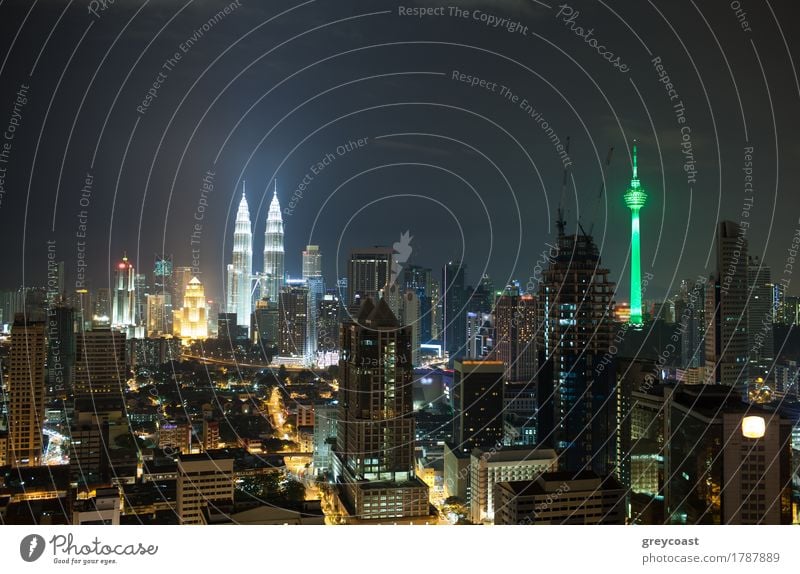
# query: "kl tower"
{"points": [[635, 198]]}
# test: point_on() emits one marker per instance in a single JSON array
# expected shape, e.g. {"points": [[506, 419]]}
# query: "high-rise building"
{"points": [[374, 455], [123, 313], [102, 306], [293, 320], [726, 311], [312, 275], [477, 404], [760, 337], [191, 321], [141, 290], [204, 481], [328, 317], [368, 272], [100, 369], [181, 278], [690, 316], [60, 350], [240, 272], [156, 324], [26, 392], [454, 309], [266, 324], [635, 199], [726, 462], [515, 334], [577, 410], [273, 276]]}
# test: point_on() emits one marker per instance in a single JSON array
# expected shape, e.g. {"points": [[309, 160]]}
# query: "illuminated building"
{"points": [[240, 272], [205, 481], [312, 275], [100, 369], [26, 378], [123, 312], [622, 312], [374, 455], [726, 311], [477, 403], [190, 322], [273, 276], [515, 334], [490, 466], [561, 498], [635, 199], [156, 324], [60, 351], [577, 410], [719, 471]]}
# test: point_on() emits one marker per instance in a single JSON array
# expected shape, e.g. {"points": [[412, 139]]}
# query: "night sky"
{"points": [[273, 87]]}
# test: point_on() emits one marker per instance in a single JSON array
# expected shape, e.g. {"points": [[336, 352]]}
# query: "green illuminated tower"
{"points": [[635, 198]]}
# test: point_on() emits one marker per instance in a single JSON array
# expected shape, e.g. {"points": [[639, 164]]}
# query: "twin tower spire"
{"points": [[242, 280]]}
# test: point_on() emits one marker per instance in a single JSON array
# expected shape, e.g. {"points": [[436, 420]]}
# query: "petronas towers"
{"points": [[241, 278]]}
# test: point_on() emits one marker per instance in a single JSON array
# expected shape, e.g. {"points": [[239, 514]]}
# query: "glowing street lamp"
{"points": [[753, 427]]}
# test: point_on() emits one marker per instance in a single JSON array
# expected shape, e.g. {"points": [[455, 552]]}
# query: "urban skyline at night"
{"points": [[341, 263]]}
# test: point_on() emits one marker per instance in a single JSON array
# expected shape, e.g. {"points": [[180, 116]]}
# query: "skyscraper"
{"points": [[368, 272], [577, 411], [374, 455], [477, 404], [312, 275], [760, 319], [26, 374], [123, 312], [241, 271], [454, 312], [515, 334], [273, 275], [293, 320], [635, 199], [726, 310]]}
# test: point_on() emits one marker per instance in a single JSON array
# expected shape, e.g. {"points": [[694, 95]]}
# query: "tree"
{"points": [[294, 492]]}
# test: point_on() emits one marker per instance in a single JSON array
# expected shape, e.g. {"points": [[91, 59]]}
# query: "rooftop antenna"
{"points": [[560, 223]]}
